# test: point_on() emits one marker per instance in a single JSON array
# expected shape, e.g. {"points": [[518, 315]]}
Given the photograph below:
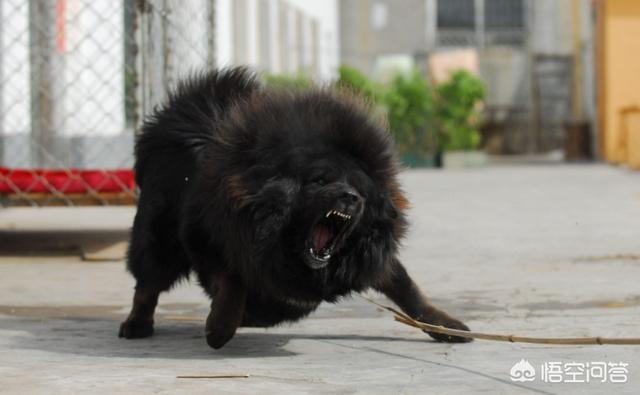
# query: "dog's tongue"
{"points": [[321, 235]]}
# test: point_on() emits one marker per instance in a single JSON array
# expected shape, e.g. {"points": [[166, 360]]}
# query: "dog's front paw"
{"points": [[135, 329], [451, 323], [219, 336], [218, 330]]}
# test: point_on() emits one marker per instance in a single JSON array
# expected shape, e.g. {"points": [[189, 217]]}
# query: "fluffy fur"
{"points": [[276, 200]]}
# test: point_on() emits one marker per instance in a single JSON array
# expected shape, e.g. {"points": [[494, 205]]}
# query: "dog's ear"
{"points": [[268, 206], [271, 210], [242, 193], [397, 199], [394, 211], [275, 198], [237, 190]]}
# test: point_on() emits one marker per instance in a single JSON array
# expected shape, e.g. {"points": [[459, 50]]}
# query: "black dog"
{"points": [[277, 200]]}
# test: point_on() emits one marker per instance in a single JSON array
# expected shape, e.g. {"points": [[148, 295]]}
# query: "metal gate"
{"points": [[552, 93], [76, 79]]}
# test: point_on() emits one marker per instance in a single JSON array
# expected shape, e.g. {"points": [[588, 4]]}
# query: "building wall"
{"points": [[279, 36], [550, 26], [371, 29], [620, 72], [369, 34]]}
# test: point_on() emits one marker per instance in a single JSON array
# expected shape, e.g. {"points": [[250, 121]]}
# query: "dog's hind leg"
{"points": [[157, 261], [140, 321], [149, 285]]}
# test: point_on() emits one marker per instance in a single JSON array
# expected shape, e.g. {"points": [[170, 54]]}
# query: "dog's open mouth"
{"points": [[325, 236]]}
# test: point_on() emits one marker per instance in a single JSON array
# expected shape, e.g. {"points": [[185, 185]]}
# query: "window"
{"points": [[456, 14], [480, 22], [503, 14]]}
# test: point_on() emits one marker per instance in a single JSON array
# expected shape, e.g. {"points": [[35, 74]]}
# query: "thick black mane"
{"points": [[222, 164]]}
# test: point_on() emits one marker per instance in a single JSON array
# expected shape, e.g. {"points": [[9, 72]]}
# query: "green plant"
{"points": [[354, 80], [409, 103], [285, 81], [423, 120], [457, 111]]}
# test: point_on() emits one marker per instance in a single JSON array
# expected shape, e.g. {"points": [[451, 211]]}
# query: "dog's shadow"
{"points": [[174, 340]]}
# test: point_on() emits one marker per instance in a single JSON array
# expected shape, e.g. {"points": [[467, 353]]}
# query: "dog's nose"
{"points": [[350, 197]]}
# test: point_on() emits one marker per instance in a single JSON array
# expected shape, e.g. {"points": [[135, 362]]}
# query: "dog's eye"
{"points": [[319, 180]]}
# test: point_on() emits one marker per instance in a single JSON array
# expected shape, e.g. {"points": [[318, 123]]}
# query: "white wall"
{"points": [[14, 69], [325, 12], [88, 93], [224, 33], [92, 99], [88, 85]]}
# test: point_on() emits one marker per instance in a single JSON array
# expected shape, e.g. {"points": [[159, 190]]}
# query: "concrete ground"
{"points": [[533, 250]]}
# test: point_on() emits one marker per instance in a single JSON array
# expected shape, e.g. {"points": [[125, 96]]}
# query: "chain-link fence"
{"points": [[76, 79]]}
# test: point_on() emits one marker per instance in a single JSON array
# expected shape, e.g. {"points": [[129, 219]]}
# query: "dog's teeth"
{"points": [[338, 214]]}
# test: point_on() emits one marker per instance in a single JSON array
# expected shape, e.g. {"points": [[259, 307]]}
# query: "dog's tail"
{"points": [[175, 132]]}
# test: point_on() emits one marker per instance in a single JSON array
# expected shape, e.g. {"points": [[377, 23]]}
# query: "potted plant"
{"points": [[354, 80], [297, 81], [409, 103], [457, 105]]}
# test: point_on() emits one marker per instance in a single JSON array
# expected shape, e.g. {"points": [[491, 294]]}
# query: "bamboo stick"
{"points": [[405, 319], [215, 376]]}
